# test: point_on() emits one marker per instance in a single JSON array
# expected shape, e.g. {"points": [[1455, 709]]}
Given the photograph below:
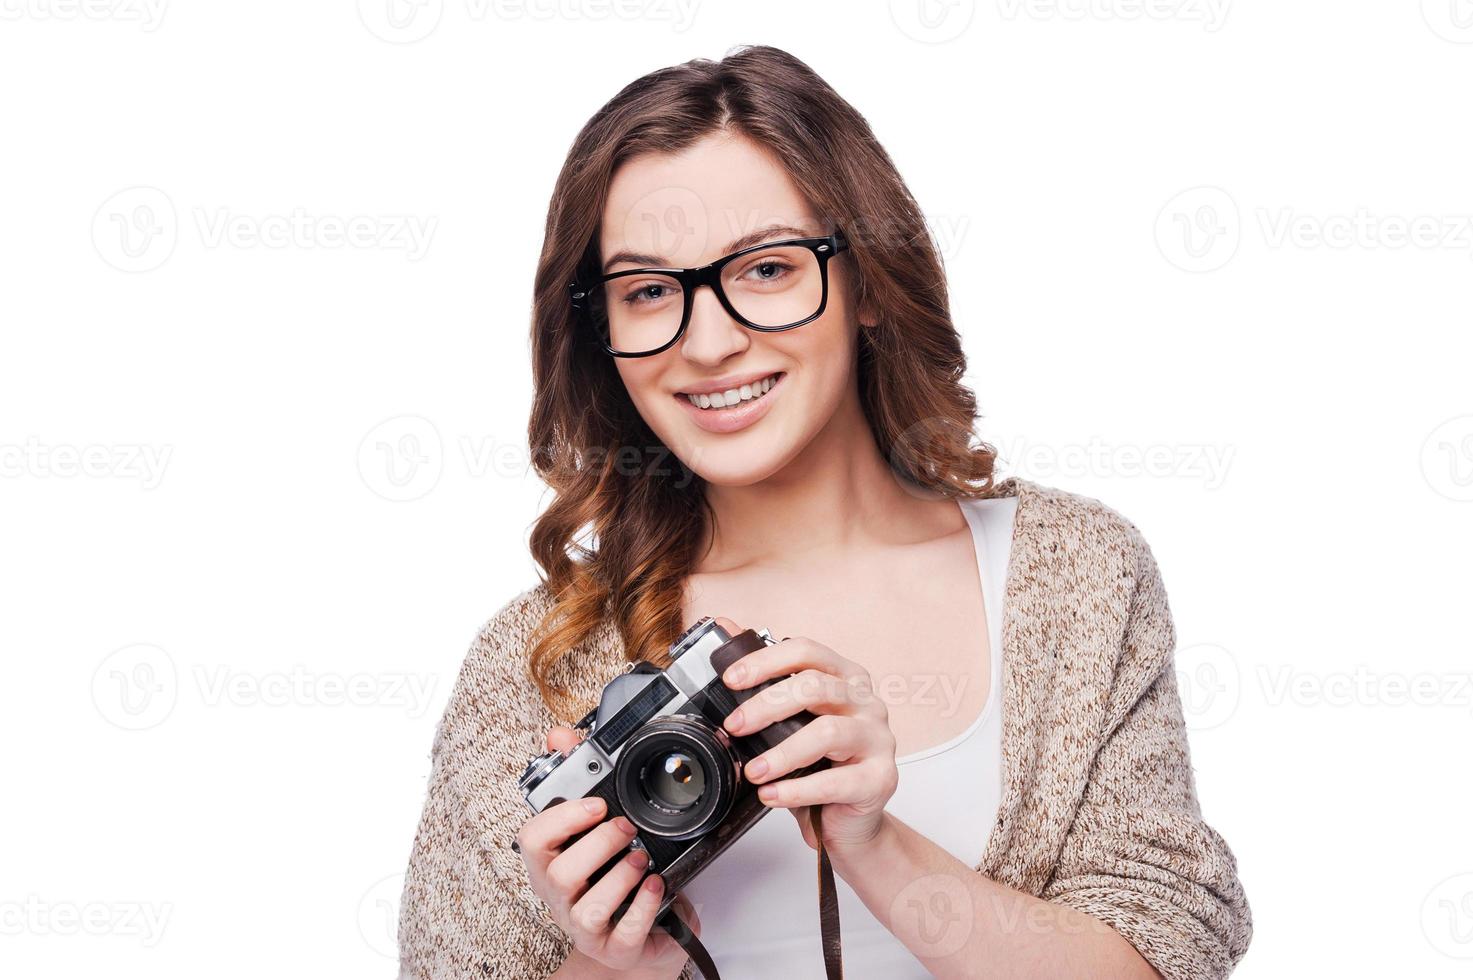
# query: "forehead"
{"points": [[687, 207]]}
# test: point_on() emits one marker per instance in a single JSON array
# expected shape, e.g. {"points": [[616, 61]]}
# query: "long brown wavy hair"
{"points": [[612, 478]]}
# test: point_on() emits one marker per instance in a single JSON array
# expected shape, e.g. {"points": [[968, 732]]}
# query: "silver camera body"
{"points": [[655, 751]]}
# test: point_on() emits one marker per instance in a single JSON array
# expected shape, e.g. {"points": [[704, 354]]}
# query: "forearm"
{"points": [[580, 967], [959, 923]]}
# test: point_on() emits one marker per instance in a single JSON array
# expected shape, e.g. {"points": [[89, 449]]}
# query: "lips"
{"points": [[744, 413]]}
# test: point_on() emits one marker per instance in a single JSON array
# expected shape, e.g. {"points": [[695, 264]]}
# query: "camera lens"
{"points": [[674, 780], [675, 777]]}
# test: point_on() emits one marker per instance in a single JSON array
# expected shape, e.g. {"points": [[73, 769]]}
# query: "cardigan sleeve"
{"points": [[467, 908], [1138, 855]]}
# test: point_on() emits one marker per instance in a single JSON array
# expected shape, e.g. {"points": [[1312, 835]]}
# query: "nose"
{"points": [[712, 335]]}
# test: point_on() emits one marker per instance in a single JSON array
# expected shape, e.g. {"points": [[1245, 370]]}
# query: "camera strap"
{"points": [[828, 918]]}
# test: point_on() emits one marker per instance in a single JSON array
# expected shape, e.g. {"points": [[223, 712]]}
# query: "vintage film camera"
{"points": [[655, 750]]}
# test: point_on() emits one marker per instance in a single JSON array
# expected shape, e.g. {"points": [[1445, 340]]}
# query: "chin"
{"points": [[730, 461]]}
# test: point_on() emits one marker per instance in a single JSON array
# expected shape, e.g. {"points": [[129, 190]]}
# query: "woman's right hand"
{"points": [[559, 873]]}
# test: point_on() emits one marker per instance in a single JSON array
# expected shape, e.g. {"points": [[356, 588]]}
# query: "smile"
{"points": [[736, 408], [719, 400]]}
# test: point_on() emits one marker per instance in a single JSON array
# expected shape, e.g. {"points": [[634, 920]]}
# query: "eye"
{"points": [[768, 270], [645, 293]]}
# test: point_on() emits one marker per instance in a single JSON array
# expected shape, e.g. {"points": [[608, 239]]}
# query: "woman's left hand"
{"points": [[852, 730]]}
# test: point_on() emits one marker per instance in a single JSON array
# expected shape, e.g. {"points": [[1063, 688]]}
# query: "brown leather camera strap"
{"points": [[828, 904], [828, 918]]}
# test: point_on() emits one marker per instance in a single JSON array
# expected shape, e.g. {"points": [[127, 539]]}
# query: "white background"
{"points": [[1211, 263]]}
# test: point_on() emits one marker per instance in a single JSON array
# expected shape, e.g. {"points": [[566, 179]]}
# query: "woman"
{"points": [[783, 441]]}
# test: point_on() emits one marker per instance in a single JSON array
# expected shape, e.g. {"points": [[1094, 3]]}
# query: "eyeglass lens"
{"points": [[771, 287]]}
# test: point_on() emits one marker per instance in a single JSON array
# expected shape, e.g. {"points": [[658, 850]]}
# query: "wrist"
{"points": [[883, 845]]}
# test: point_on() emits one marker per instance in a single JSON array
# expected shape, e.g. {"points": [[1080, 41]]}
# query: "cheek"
{"points": [[639, 379]]}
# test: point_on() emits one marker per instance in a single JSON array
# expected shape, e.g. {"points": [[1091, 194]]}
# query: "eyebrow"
{"points": [[755, 237]]}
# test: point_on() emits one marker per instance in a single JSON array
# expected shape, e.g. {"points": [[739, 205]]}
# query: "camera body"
{"points": [[655, 751]]}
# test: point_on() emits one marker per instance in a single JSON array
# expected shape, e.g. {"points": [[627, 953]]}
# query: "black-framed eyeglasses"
{"points": [[769, 287]]}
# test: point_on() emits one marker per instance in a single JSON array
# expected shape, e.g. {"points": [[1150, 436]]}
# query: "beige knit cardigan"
{"points": [[1098, 808]]}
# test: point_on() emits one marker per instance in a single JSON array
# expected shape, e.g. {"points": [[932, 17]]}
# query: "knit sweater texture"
{"points": [[1099, 811]]}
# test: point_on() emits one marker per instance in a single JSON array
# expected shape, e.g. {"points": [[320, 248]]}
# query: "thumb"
{"points": [[732, 629], [562, 739]]}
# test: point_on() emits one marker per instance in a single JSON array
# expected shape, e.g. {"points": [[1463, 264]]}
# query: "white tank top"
{"points": [[758, 901]]}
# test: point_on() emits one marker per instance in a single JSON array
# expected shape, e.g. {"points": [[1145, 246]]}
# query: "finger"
{"points": [[544, 833], [570, 871], [787, 657], [732, 629], [595, 910], [854, 785], [836, 737], [633, 928], [561, 738], [811, 690]]}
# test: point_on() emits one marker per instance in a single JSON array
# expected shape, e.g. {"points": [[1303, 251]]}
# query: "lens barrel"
{"points": [[676, 777]]}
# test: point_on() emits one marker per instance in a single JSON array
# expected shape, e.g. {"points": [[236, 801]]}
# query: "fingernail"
{"points": [[734, 721], [767, 793], [757, 767], [734, 675], [624, 824], [638, 859], [653, 883], [593, 804]]}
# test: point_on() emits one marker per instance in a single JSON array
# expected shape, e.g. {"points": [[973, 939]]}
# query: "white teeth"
{"points": [[723, 399]]}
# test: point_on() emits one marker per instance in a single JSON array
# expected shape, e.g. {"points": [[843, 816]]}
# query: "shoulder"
{"points": [[510, 627], [1091, 536], [493, 687], [498, 665], [1095, 580]]}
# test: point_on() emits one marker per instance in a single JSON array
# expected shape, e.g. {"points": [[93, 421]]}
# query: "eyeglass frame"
{"points": [[823, 248]]}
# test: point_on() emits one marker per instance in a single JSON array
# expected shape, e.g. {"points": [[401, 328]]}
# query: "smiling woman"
{"points": [[709, 288]]}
